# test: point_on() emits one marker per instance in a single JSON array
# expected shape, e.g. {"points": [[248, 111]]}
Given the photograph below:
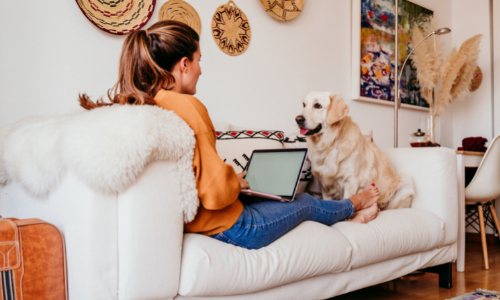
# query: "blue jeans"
{"points": [[261, 223]]}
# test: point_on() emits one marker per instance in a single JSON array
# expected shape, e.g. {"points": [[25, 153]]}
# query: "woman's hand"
{"points": [[244, 183]]}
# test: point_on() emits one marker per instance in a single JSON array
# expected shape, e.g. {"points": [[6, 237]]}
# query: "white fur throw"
{"points": [[107, 148]]}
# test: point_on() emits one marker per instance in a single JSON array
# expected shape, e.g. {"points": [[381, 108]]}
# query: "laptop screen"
{"points": [[274, 172]]}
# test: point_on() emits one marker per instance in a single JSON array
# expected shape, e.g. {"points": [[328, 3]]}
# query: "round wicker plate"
{"points": [[181, 11], [477, 78], [283, 10], [118, 17], [230, 29]]}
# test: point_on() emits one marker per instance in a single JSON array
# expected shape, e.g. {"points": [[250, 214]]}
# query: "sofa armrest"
{"points": [[150, 235], [88, 222], [434, 171], [119, 246]]}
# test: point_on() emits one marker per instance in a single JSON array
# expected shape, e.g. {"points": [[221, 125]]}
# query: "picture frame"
{"points": [[373, 52]]}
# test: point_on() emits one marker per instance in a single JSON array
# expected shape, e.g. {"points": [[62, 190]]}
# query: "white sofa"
{"points": [[130, 244]]}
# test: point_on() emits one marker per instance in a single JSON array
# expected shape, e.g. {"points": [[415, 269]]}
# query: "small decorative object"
{"points": [[283, 10], [418, 139], [477, 78], [373, 43], [476, 144], [181, 11], [455, 72], [118, 17], [230, 29]]}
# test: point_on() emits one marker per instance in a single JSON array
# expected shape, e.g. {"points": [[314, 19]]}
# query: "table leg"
{"points": [[461, 214]]}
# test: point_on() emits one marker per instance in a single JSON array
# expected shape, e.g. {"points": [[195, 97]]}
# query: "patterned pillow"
{"points": [[236, 147]]}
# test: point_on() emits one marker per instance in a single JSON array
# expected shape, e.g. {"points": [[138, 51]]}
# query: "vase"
{"points": [[432, 128]]}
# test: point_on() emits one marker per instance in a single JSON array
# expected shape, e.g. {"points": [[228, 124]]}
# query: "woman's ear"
{"points": [[184, 64], [337, 109]]}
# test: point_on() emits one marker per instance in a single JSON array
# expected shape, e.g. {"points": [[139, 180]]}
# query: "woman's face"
{"points": [[191, 73]]}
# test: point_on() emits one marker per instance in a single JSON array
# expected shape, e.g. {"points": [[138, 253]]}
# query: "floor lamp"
{"points": [[397, 102]]}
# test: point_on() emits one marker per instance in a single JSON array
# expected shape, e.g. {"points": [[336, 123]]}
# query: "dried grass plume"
{"points": [[427, 59], [456, 73]]}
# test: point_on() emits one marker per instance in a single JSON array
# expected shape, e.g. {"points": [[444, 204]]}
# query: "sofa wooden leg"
{"points": [[445, 274]]}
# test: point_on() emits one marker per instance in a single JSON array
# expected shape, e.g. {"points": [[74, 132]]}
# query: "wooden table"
{"points": [[465, 159]]}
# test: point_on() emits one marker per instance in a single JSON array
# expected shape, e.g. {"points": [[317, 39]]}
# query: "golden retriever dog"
{"points": [[342, 159]]}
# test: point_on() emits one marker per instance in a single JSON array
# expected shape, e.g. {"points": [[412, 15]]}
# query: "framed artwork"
{"points": [[373, 48]]}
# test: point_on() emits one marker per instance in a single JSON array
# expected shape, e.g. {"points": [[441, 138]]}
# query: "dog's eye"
{"points": [[317, 105], [303, 105]]}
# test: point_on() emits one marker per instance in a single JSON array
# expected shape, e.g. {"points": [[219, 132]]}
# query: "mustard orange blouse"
{"points": [[217, 183]]}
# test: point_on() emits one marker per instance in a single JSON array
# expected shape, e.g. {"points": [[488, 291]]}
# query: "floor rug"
{"points": [[479, 294]]}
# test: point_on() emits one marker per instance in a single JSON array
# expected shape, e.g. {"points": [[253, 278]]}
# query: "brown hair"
{"points": [[148, 57]]}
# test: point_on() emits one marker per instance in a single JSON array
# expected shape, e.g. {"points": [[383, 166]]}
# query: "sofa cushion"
{"points": [[392, 234], [236, 147], [213, 268]]}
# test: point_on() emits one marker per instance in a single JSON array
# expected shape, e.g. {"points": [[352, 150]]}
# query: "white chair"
{"points": [[485, 187]]}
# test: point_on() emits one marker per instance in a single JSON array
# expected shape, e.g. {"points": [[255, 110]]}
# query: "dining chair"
{"points": [[482, 190]]}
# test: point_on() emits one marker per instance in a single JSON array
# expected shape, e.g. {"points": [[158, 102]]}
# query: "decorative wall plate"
{"points": [[283, 10], [230, 29], [118, 17], [477, 78], [181, 11]]}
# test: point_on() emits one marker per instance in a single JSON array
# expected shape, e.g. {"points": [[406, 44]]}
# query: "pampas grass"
{"points": [[456, 73], [427, 59]]}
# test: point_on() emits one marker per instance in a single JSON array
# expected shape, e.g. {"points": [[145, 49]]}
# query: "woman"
{"points": [[160, 66]]}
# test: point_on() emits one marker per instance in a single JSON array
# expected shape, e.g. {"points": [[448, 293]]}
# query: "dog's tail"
{"points": [[404, 193]]}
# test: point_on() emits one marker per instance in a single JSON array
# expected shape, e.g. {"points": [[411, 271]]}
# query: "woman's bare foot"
{"points": [[365, 215], [366, 198]]}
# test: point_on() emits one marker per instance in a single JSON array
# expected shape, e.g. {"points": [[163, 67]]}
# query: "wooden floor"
{"points": [[426, 287]]}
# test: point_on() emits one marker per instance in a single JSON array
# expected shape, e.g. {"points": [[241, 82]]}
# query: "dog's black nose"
{"points": [[300, 120]]}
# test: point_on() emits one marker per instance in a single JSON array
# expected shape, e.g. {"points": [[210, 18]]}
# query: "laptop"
{"points": [[274, 173]]}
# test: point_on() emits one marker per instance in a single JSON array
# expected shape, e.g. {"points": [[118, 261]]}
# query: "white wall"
{"points": [[48, 56], [496, 76], [46, 62], [473, 115], [496, 64]]}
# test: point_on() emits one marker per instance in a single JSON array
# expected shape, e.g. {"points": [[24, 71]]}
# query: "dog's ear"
{"points": [[337, 109]]}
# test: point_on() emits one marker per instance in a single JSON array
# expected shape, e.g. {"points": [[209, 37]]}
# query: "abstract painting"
{"points": [[373, 68]]}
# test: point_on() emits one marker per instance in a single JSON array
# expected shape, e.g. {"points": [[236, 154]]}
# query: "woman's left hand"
{"points": [[244, 183]]}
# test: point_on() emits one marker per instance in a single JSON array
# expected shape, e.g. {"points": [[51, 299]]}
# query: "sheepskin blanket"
{"points": [[107, 148]]}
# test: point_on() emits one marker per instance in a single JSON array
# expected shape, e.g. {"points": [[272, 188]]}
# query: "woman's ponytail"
{"points": [[147, 59]]}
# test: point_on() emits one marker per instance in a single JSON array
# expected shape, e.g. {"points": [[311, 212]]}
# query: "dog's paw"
{"points": [[382, 205]]}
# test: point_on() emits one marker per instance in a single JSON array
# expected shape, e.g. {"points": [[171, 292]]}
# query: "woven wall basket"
{"points": [[477, 78], [118, 16], [230, 29], [181, 11], [283, 10]]}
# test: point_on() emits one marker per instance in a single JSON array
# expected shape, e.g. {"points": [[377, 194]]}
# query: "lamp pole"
{"points": [[397, 100], [396, 83]]}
